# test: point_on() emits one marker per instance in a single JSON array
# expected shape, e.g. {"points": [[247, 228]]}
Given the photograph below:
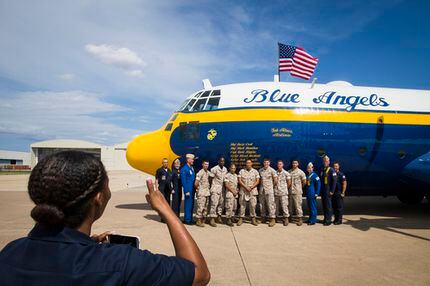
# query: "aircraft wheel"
{"points": [[411, 197]]}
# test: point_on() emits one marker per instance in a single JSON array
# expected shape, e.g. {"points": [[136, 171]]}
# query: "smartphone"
{"points": [[124, 239]]}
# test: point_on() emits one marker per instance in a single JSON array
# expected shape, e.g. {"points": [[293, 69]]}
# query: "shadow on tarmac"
{"points": [[391, 215], [138, 206], [396, 215]]}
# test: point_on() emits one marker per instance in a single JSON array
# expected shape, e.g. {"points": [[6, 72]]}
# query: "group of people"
{"points": [[217, 189]]}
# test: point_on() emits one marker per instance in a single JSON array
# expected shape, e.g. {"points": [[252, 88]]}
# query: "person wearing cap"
{"points": [[339, 194], [313, 185], [187, 178], [202, 193], [329, 179]]}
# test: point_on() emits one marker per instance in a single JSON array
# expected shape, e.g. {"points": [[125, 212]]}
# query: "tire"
{"points": [[411, 197]]}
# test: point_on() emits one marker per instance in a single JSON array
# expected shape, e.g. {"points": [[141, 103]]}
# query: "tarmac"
{"points": [[382, 241]]}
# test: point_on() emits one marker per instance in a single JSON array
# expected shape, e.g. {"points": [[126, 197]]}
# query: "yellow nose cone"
{"points": [[146, 151]]}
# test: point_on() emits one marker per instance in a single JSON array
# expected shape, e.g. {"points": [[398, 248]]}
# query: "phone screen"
{"points": [[124, 239]]}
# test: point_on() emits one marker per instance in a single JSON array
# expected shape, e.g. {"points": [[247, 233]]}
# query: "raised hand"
{"points": [[155, 198]]}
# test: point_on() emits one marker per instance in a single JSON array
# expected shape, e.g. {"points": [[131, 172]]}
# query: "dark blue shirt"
{"points": [[340, 179], [69, 257]]}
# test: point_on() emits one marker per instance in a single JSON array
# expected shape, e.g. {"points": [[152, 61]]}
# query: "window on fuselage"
{"points": [[168, 127]]}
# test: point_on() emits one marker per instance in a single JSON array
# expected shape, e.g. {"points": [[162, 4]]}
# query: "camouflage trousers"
{"points": [[295, 205], [252, 205], [281, 203], [202, 207], [230, 206], [267, 203], [217, 204]]}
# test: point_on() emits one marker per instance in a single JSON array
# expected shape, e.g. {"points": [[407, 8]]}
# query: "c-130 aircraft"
{"points": [[380, 136]]}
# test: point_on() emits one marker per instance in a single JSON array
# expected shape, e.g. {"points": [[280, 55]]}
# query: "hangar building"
{"points": [[113, 157]]}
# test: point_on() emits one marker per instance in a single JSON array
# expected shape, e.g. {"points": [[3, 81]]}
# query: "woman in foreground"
{"points": [[70, 190]]}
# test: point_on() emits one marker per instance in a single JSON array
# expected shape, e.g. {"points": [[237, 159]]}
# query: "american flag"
{"points": [[295, 60]]}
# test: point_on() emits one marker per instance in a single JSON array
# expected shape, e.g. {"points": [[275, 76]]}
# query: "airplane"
{"points": [[380, 136]]}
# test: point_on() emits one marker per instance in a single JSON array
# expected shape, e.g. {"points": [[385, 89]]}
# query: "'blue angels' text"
{"points": [[349, 103]]}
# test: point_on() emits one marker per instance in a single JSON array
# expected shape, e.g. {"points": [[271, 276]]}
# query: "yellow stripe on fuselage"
{"points": [[279, 114]]}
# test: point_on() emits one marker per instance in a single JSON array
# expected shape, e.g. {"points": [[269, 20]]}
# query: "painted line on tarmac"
{"points": [[241, 258]]}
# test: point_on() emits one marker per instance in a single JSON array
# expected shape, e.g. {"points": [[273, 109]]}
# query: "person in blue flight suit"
{"points": [[313, 185], [328, 178], [70, 190], [339, 194], [176, 187], [187, 177]]}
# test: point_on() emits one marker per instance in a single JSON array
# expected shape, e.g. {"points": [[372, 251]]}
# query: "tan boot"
{"points": [[272, 222], [254, 221], [239, 222], [229, 222], [218, 219], [285, 221], [212, 222], [199, 222], [299, 221]]}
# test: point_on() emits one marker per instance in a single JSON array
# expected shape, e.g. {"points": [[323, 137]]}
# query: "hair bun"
{"points": [[47, 214]]}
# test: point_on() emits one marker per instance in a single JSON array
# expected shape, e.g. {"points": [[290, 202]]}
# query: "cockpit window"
{"points": [[190, 105], [205, 94], [212, 103], [200, 104], [184, 104], [203, 100]]}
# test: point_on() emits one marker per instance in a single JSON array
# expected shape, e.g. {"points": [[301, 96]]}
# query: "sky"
{"points": [[106, 71]]}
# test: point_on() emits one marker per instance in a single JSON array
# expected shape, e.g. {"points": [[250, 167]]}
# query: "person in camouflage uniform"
{"points": [[266, 195], [281, 191], [217, 192], [202, 186], [249, 178], [232, 193]]}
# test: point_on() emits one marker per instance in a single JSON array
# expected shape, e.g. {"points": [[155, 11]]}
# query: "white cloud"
{"points": [[122, 58], [71, 114], [67, 76], [135, 73]]}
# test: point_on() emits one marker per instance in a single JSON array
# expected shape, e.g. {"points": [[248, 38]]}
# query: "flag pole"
{"points": [[277, 64]]}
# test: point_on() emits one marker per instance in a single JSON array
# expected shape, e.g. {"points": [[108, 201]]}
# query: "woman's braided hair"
{"points": [[62, 184]]}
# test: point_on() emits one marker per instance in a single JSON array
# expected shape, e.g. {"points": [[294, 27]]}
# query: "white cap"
{"points": [[326, 158], [310, 165], [189, 156]]}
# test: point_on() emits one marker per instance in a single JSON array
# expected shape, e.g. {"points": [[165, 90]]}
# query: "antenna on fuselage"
{"points": [[313, 82], [207, 84]]}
